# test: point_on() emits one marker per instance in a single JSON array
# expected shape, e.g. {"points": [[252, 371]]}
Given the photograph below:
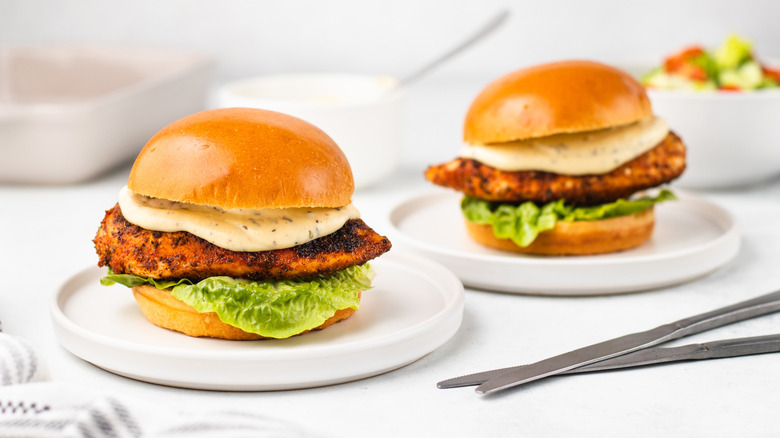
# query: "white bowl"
{"points": [[733, 138], [362, 113], [69, 113]]}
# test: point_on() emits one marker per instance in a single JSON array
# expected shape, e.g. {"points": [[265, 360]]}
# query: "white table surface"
{"points": [[46, 233]]}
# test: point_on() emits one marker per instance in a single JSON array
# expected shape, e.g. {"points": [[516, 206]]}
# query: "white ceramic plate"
{"points": [[415, 306], [692, 237]]}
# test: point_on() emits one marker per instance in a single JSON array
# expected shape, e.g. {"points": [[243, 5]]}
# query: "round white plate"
{"points": [[415, 306], [692, 237]]}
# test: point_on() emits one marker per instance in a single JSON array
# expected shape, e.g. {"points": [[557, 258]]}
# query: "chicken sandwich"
{"points": [[557, 161], [238, 224]]}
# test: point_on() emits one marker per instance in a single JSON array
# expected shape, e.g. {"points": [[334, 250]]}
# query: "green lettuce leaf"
{"points": [[708, 64], [274, 309], [733, 53], [523, 223], [748, 76]]}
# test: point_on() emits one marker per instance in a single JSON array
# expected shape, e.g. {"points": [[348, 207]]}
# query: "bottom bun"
{"points": [[162, 309], [576, 238]]}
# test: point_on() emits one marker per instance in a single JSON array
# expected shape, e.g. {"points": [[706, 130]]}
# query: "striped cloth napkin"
{"points": [[35, 407], [19, 363]]}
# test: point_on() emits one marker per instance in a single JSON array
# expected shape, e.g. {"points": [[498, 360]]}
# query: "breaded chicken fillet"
{"points": [[659, 165], [130, 249]]}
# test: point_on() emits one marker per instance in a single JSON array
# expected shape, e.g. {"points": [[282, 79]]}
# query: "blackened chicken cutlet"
{"points": [[130, 249], [659, 165]]}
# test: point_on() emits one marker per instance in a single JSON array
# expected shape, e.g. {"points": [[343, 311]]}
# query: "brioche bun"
{"points": [[243, 158], [164, 310], [554, 98], [576, 238]]}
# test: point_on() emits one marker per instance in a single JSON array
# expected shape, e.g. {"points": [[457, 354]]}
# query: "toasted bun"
{"points": [[243, 158], [555, 98], [162, 309], [576, 238]]}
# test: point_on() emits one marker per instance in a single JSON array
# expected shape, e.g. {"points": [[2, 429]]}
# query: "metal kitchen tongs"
{"points": [[632, 350]]}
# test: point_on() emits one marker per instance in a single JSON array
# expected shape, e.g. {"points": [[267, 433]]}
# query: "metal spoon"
{"points": [[483, 31]]}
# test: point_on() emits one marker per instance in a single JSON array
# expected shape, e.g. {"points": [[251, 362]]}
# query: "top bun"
{"points": [[555, 98], [243, 158]]}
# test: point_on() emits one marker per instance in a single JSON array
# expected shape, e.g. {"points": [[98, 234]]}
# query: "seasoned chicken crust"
{"points": [[130, 249], [659, 165]]}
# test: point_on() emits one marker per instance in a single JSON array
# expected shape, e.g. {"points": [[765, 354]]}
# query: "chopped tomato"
{"points": [[676, 62], [694, 72], [773, 73]]}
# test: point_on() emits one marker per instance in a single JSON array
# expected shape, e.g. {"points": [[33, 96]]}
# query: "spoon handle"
{"points": [[486, 29]]}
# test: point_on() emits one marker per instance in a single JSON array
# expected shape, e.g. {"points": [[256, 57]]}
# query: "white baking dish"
{"points": [[70, 113]]}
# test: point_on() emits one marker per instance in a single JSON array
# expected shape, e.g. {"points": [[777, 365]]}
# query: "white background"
{"points": [[252, 37]]}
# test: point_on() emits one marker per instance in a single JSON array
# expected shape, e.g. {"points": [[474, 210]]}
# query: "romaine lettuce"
{"points": [[274, 309], [523, 223]]}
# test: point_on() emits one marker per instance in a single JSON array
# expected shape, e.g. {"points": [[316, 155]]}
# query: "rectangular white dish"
{"points": [[70, 113]]}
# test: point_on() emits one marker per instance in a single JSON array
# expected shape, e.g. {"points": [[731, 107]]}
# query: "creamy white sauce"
{"points": [[235, 229], [590, 152]]}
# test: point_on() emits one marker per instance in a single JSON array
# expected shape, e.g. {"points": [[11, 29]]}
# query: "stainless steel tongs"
{"points": [[633, 350]]}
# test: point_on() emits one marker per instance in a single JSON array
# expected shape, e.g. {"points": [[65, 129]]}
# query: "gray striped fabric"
{"points": [[41, 409], [19, 363]]}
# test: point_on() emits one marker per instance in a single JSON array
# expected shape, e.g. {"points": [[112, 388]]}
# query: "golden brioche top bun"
{"points": [[243, 158], [555, 98]]}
